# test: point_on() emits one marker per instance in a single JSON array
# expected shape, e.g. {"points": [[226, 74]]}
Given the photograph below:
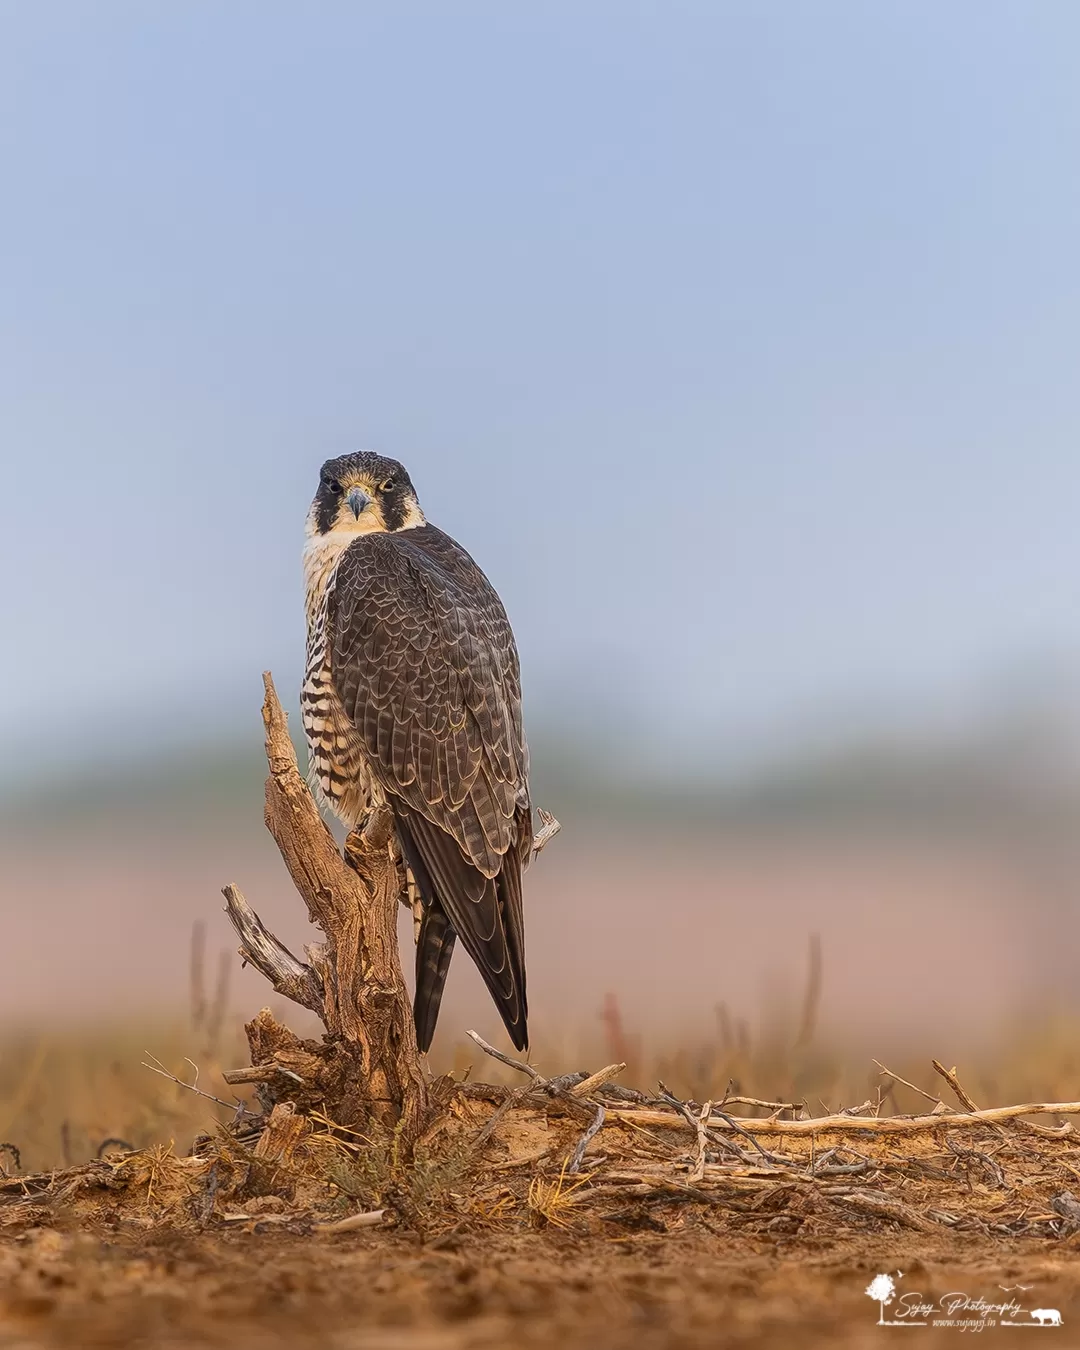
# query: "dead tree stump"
{"points": [[366, 1071]]}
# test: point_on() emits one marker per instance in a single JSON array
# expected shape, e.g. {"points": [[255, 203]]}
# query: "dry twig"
{"points": [[596, 1080], [853, 1124], [888, 1073], [596, 1124], [290, 977], [729, 1100], [158, 1067], [950, 1077], [352, 1223], [698, 1169], [883, 1206], [508, 1060]]}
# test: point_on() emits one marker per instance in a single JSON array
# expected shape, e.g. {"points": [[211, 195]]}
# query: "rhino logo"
{"points": [[1046, 1317]]}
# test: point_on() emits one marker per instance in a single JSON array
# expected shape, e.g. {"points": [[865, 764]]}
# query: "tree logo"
{"points": [[956, 1309], [882, 1288]]}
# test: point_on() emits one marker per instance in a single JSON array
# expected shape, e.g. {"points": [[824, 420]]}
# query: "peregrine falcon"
{"points": [[412, 698]]}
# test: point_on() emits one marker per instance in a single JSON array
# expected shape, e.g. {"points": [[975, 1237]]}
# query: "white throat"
{"points": [[321, 555], [322, 552]]}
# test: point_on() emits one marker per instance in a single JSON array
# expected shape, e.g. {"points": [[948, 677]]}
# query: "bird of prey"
{"points": [[412, 698]]}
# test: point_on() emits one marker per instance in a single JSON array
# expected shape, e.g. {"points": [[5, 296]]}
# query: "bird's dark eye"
{"points": [[387, 485], [335, 488]]}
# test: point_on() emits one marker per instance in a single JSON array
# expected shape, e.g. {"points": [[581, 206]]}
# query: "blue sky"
{"points": [[738, 342]]}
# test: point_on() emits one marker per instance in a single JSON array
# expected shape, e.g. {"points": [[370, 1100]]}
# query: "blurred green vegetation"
{"points": [[1016, 767]]}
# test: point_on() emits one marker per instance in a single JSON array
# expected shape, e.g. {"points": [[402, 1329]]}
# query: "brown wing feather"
{"points": [[463, 900], [424, 663]]}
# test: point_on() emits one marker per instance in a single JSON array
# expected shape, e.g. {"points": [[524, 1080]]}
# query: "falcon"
{"points": [[412, 699]]}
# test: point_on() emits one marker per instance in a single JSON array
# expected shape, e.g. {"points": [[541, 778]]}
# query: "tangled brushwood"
{"points": [[348, 1132], [580, 1153]]}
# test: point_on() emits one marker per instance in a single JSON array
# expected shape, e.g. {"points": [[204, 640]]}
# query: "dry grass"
{"points": [[181, 1157], [65, 1095], [68, 1103], [552, 1200], [70, 1095], [949, 1171]]}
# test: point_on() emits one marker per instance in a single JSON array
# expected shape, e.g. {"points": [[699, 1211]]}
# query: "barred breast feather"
{"points": [[337, 772]]}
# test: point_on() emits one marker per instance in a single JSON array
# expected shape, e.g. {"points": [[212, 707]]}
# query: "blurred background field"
{"points": [[70, 1094], [895, 900], [738, 345], [903, 895]]}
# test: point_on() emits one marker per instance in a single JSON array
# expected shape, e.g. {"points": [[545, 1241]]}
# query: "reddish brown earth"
{"points": [[687, 1287]]}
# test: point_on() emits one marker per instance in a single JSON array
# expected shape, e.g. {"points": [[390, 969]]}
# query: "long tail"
{"points": [[460, 902], [434, 948]]}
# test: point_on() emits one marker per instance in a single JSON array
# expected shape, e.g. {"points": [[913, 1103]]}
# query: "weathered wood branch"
{"points": [[289, 976], [855, 1124], [368, 1068]]}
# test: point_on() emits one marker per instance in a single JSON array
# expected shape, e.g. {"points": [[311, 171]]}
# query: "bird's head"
{"points": [[363, 493]]}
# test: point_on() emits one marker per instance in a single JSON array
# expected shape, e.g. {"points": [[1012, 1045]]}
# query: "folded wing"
{"points": [[424, 662]]}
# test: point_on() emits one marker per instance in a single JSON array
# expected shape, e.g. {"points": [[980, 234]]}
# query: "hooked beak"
{"points": [[358, 500]]}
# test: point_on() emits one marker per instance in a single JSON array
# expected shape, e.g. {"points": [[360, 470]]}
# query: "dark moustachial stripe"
{"points": [[373, 468], [328, 503], [393, 507]]}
